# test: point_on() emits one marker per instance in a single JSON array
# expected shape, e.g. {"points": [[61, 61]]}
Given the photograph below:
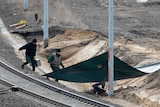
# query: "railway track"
{"points": [[45, 91], [32, 94]]}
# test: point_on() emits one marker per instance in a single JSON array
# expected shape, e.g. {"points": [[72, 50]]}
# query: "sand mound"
{"points": [[76, 45]]}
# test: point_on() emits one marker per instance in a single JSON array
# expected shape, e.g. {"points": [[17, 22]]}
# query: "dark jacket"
{"points": [[30, 49]]}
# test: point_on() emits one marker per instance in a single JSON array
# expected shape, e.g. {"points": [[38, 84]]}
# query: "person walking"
{"points": [[30, 53], [36, 16], [55, 61]]}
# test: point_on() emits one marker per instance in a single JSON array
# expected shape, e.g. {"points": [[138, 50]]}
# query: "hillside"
{"points": [[136, 31]]}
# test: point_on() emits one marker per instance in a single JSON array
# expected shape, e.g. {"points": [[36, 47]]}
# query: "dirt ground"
{"points": [[139, 90], [80, 29]]}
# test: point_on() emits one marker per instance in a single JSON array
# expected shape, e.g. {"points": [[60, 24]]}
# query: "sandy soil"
{"points": [[136, 39], [140, 90]]}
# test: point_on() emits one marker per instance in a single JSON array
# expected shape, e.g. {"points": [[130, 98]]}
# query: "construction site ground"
{"points": [[80, 29]]}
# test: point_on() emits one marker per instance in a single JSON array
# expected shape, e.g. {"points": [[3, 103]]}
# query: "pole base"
{"points": [[45, 43]]}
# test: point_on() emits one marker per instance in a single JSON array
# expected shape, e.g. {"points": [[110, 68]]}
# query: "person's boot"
{"points": [[48, 78], [33, 69], [22, 66]]}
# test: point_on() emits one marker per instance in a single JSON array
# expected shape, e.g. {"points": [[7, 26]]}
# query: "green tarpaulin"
{"points": [[95, 70]]}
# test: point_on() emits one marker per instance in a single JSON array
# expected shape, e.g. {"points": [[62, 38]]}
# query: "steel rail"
{"points": [[14, 87], [67, 93]]}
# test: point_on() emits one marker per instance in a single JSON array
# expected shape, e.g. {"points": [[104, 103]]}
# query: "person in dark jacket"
{"points": [[36, 16], [56, 61], [99, 90], [30, 53]]}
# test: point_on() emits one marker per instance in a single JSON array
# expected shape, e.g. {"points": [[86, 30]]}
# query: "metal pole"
{"points": [[110, 50], [25, 4], [45, 27]]}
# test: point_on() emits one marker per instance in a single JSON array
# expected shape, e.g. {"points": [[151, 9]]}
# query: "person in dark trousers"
{"points": [[56, 61], [36, 16], [30, 53], [102, 83], [99, 90]]}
